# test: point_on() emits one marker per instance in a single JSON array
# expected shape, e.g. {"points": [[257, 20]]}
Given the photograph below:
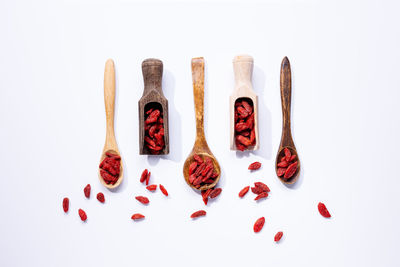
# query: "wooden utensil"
{"points": [[243, 70], [200, 146], [109, 101], [286, 139], [153, 97]]}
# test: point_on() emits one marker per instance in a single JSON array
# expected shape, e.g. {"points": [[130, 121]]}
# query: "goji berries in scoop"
{"points": [[244, 124], [110, 168], [323, 210], [154, 128]]}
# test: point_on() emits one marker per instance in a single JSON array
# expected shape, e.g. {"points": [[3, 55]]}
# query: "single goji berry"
{"points": [[283, 164], [198, 214], [261, 195], [259, 224], [243, 140], [143, 176], [198, 158], [280, 171], [254, 166], [323, 210], [100, 197], [148, 178], [65, 204], [215, 192], [163, 190], [152, 187], [278, 236], [137, 216], [290, 170], [86, 190], [142, 199], [82, 214], [192, 167], [263, 186], [288, 154], [257, 190], [293, 157], [244, 191]]}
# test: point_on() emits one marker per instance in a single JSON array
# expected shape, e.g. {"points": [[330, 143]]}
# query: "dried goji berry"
{"points": [[163, 190], [323, 210], [290, 170], [254, 166], [82, 214], [142, 199], [143, 176], [243, 140], [263, 186], [257, 190], [110, 168], [281, 171], [215, 192], [192, 167], [152, 187], [148, 178], [278, 236], [288, 154], [261, 195], [137, 216], [100, 197], [283, 164], [198, 158], [244, 191], [259, 224], [65, 204], [86, 190], [293, 157], [198, 214]]}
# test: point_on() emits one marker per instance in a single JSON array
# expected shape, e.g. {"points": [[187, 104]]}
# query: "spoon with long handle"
{"points": [[109, 101]]}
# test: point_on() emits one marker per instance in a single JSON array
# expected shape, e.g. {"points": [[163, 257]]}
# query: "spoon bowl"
{"points": [[280, 154], [109, 101], [200, 146]]}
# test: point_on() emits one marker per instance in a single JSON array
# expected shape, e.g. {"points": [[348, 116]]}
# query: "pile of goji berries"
{"points": [[287, 166], [245, 135], [154, 130], [201, 171], [110, 168]]}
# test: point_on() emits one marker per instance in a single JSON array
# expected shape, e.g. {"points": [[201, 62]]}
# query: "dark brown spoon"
{"points": [[286, 138]]}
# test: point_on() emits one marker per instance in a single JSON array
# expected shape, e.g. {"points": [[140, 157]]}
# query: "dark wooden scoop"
{"points": [[152, 97], [286, 139]]}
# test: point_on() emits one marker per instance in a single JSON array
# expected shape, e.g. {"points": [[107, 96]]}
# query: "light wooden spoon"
{"points": [[200, 146], [243, 70], [286, 139], [109, 101]]}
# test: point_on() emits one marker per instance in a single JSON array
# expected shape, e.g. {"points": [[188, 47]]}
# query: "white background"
{"points": [[344, 118]]}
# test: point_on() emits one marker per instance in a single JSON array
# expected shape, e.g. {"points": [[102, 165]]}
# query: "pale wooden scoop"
{"points": [[243, 70], [286, 138], [200, 146], [109, 101]]}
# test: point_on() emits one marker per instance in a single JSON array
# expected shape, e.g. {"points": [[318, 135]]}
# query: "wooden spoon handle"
{"points": [[109, 97], [152, 70], [243, 70], [198, 93], [286, 96]]}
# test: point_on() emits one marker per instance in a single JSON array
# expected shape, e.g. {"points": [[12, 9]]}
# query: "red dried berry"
{"points": [[198, 158], [259, 224], [262, 195], [192, 167], [86, 190], [283, 164], [215, 192], [100, 197], [255, 166], [143, 176], [198, 214], [288, 154], [290, 170], [142, 199], [148, 178], [163, 190], [278, 236], [137, 216], [280, 171], [152, 187], [263, 186], [65, 204], [244, 191], [293, 157], [257, 190], [82, 214], [323, 210]]}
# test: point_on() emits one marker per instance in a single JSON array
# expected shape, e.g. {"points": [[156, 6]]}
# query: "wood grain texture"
{"points": [[243, 72], [152, 70], [286, 101], [200, 146], [109, 102]]}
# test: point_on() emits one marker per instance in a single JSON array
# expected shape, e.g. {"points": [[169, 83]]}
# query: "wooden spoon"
{"points": [[109, 101], [152, 97], [243, 70], [286, 139], [200, 146]]}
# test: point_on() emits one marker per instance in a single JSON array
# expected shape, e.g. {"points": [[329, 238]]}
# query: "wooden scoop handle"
{"points": [[109, 97], [243, 70], [286, 98], [152, 70], [198, 93]]}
